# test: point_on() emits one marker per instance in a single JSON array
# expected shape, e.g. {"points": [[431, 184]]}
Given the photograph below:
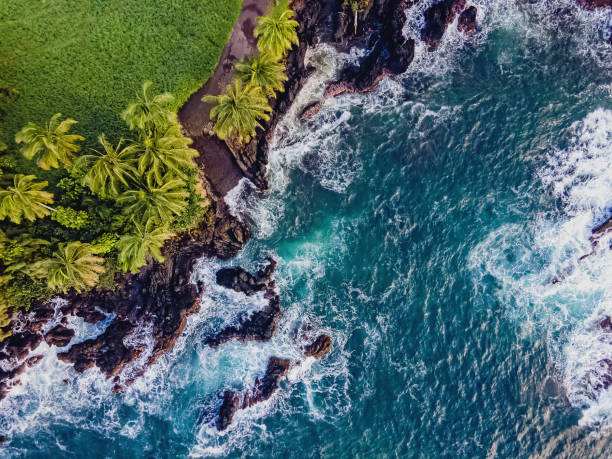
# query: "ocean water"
{"points": [[421, 226]]}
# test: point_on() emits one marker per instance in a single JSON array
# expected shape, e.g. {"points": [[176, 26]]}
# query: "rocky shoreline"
{"points": [[161, 296]]}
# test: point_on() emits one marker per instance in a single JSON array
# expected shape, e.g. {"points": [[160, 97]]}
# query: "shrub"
{"points": [[70, 218]]}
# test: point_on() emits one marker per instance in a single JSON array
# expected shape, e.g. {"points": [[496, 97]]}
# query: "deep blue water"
{"points": [[421, 227]]}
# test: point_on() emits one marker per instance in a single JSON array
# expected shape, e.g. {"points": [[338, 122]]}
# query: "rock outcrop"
{"points": [[594, 4], [265, 385], [59, 336], [437, 19], [319, 347], [467, 20], [259, 325]]}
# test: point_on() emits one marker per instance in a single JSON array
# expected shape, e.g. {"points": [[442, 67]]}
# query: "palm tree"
{"points": [[25, 199], [110, 169], [164, 152], [144, 242], [159, 205], [50, 145], [149, 111], [73, 265], [277, 33], [356, 7], [238, 111], [263, 71]]}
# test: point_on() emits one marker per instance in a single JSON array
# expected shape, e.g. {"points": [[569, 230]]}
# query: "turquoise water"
{"points": [[421, 227]]}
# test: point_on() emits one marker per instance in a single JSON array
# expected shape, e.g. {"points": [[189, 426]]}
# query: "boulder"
{"points": [[319, 347], [467, 20], [437, 19], [594, 4], [59, 336]]}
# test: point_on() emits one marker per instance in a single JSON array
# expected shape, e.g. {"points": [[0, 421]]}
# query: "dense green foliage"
{"points": [[86, 58], [237, 112], [145, 241], [52, 145], [73, 265], [110, 214], [25, 198], [276, 33], [110, 170], [263, 71]]}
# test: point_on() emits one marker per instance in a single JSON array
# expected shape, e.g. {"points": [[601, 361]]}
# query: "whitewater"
{"points": [[434, 229]]}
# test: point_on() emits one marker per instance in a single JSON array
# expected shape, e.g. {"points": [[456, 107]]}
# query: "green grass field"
{"points": [[88, 58]]}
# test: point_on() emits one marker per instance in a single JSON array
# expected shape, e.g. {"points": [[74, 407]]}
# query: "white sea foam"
{"points": [[524, 262], [527, 25]]}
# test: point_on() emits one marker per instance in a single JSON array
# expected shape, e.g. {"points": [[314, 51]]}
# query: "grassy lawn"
{"points": [[88, 58]]}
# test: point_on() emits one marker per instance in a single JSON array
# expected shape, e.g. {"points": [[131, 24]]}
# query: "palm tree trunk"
{"points": [[49, 208], [355, 20]]}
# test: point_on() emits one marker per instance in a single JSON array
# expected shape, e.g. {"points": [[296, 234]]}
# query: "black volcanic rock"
{"points": [[263, 389], [437, 18], [265, 385], [467, 20], [59, 336], [107, 351], [259, 325], [240, 280], [319, 347], [231, 404], [594, 4]]}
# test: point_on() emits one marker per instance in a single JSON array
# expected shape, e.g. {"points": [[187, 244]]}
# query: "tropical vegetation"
{"points": [[85, 57], [356, 7], [238, 112], [25, 198], [74, 211], [113, 207], [264, 72], [142, 243], [74, 265], [277, 33], [50, 146]]}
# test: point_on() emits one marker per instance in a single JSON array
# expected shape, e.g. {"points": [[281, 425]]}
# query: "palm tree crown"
{"points": [[238, 111], [164, 152], [277, 33], [158, 205], [136, 247], [25, 198], [74, 265], [110, 169], [149, 111], [263, 71], [51, 145]]}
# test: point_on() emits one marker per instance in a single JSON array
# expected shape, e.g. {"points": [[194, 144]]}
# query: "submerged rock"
{"points": [[437, 19], [310, 110]]}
